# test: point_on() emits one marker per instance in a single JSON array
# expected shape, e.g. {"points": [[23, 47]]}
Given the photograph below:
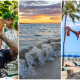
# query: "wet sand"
{"points": [[51, 70]]}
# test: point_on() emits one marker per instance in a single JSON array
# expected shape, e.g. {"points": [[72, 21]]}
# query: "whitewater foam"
{"points": [[38, 55]]}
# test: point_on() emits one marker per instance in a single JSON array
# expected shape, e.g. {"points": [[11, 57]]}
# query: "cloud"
{"points": [[31, 9], [34, 2], [55, 17], [71, 24], [39, 7]]}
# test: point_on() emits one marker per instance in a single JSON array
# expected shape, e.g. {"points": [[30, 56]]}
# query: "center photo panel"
{"points": [[40, 39]]}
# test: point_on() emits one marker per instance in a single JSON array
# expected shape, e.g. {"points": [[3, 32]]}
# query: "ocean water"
{"points": [[38, 43], [32, 34]]}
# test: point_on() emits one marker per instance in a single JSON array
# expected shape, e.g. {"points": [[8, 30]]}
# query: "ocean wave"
{"points": [[38, 55]]}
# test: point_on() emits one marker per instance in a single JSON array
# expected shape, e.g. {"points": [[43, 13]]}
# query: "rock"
{"points": [[73, 75], [69, 71]]}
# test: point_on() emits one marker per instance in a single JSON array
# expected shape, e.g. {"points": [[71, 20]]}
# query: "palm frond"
{"points": [[78, 10], [78, 5], [70, 6], [64, 13], [70, 12], [75, 2], [73, 17], [76, 17]]}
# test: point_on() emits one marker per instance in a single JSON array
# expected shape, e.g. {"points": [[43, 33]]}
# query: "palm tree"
{"points": [[62, 5], [69, 9]]}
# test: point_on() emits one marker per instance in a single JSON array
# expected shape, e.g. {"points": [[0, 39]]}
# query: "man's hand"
{"points": [[2, 21]]}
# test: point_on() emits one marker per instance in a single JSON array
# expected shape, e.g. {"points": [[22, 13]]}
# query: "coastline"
{"points": [[50, 70]]}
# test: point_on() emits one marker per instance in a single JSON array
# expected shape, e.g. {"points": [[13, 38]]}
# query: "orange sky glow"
{"points": [[41, 19], [39, 12]]}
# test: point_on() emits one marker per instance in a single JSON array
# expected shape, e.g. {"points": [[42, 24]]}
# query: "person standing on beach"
{"points": [[6, 55]]}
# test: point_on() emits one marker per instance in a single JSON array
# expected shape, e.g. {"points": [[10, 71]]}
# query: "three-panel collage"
{"points": [[39, 39]]}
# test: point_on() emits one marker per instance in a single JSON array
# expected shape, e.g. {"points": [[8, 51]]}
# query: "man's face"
{"points": [[9, 22]]}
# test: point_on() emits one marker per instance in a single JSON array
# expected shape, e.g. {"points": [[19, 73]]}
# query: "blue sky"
{"points": [[71, 42]]}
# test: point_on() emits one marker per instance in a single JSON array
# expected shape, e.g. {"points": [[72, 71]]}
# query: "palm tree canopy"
{"points": [[70, 10]]}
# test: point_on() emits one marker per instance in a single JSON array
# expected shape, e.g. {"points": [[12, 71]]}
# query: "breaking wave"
{"points": [[38, 55]]}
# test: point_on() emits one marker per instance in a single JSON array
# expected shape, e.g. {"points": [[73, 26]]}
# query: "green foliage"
{"points": [[78, 5], [10, 6], [7, 15], [70, 9], [4, 7], [70, 6], [16, 21], [73, 17]]}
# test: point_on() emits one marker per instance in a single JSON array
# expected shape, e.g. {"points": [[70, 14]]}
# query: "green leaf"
{"points": [[78, 5], [78, 10], [6, 6], [7, 2], [72, 17], [70, 8], [75, 2], [9, 6], [77, 17]]}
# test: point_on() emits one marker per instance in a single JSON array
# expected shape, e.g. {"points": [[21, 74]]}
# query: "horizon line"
{"points": [[39, 23]]}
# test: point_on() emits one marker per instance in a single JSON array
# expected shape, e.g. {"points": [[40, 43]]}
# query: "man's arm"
{"points": [[75, 32], [13, 46]]}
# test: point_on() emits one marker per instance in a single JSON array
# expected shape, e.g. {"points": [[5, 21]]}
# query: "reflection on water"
{"points": [[32, 34]]}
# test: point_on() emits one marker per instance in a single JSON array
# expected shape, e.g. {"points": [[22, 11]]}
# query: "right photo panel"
{"points": [[40, 39], [70, 40]]}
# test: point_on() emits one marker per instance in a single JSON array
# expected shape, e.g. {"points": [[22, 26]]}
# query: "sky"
{"points": [[71, 42], [40, 11]]}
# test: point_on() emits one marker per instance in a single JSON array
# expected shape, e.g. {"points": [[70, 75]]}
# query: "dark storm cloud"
{"points": [[31, 8]]}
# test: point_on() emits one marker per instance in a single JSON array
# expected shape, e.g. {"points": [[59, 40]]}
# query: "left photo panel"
{"points": [[9, 39]]}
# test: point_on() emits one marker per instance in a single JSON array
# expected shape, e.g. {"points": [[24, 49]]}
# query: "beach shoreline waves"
{"points": [[37, 56]]}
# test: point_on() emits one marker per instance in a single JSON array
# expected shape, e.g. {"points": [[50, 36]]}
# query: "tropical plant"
{"points": [[10, 6], [69, 9]]}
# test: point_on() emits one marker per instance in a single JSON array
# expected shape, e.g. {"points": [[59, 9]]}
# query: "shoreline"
{"points": [[50, 70]]}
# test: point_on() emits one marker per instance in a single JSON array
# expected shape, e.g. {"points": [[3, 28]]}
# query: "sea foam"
{"points": [[38, 55]]}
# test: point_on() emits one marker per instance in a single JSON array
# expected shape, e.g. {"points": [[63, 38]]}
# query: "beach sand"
{"points": [[64, 73], [51, 70]]}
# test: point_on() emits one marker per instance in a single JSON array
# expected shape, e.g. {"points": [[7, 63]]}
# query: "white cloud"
{"points": [[70, 23]]}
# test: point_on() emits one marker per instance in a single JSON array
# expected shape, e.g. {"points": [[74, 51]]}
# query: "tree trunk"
{"points": [[64, 40], [62, 5]]}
